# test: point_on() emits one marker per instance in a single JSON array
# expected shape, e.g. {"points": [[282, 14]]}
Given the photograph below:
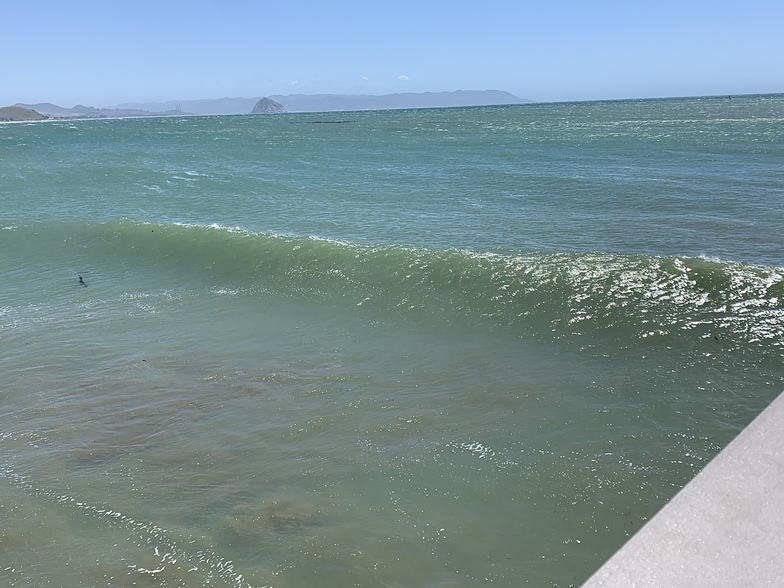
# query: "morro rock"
{"points": [[267, 106]]}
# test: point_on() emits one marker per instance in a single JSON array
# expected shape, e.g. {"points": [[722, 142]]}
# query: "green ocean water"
{"points": [[450, 347]]}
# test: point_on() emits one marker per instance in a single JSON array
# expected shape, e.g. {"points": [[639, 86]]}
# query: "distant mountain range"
{"points": [[291, 103], [333, 102], [50, 110]]}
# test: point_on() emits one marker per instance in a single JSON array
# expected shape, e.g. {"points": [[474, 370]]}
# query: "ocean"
{"points": [[444, 347]]}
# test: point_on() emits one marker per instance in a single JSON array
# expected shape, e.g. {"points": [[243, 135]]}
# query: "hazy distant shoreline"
{"points": [[296, 103], [338, 102], [291, 103]]}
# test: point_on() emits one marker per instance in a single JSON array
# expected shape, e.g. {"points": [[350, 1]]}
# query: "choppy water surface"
{"points": [[421, 348]]}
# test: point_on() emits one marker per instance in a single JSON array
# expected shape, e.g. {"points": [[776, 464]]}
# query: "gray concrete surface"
{"points": [[724, 528]]}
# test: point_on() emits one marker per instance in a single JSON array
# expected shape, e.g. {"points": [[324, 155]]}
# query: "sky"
{"points": [[106, 53]]}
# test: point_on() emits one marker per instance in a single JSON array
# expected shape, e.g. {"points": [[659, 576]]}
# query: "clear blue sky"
{"points": [[105, 53]]}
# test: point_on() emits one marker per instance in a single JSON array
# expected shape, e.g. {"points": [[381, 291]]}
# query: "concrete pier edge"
{"points": [[724, 528]]}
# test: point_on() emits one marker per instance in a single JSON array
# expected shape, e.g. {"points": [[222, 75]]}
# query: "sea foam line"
{"points": [[209, 564]]}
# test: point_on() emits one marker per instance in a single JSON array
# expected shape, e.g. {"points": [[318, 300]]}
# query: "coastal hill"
{"points": [[17, 113]]}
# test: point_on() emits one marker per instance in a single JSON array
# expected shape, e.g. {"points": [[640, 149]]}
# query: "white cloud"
{"points": [[365, 78], [293, 82], [403, 78]]}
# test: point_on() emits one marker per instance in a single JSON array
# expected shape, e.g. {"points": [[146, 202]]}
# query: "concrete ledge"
{"points": [[724, 528]]}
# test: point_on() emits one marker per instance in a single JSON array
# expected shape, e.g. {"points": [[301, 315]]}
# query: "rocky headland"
{"points": [[18, 114]]}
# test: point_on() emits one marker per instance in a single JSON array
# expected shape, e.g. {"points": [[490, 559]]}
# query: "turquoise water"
{"points": [[447, 347]]}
